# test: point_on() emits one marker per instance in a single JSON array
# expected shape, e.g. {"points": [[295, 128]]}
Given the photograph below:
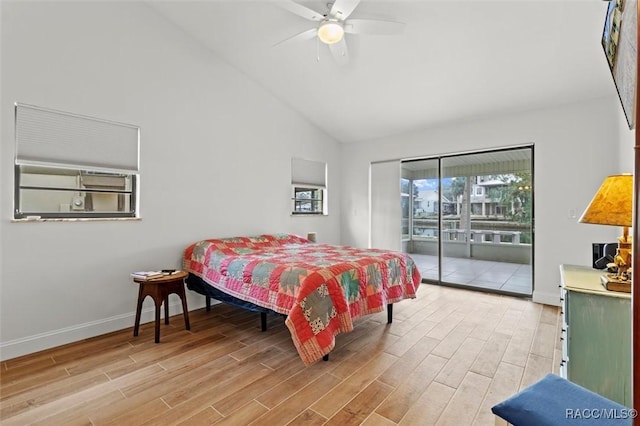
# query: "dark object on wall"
{"points": [[603, 253], [620, 43]]}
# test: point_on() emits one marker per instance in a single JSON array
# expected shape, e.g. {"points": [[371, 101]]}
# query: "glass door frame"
{"points": [[440, 216]]}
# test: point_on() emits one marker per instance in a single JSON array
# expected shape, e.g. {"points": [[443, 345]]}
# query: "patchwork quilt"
{"points": [[321, 288]]}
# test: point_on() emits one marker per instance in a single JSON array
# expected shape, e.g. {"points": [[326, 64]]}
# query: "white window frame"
{"points": [[66, 163], [316, 204], [308, 175]]}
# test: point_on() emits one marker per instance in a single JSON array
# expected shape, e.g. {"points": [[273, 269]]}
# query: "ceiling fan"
{"points": [[334, 23]]}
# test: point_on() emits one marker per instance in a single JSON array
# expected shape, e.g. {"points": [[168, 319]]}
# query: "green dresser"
{"points": [[596, 334]]}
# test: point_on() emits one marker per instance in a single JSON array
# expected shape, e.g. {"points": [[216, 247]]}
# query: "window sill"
{"points": [[78, 219], [308, 215]]}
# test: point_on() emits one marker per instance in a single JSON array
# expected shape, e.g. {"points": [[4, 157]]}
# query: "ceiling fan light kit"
{"points": [[330, 31], [333, 24]]}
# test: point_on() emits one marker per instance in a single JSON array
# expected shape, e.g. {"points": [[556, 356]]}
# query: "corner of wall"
{"points": [[547, 298]]}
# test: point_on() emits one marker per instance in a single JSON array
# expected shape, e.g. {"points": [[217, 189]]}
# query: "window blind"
{"points": [[48, 137], [307, 172]]}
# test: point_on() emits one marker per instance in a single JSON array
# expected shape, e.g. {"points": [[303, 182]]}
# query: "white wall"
{"points": [[215, 161], [626, 142], [575, 147]]}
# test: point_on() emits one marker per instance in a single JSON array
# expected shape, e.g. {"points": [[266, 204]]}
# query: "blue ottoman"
{"points": [[555, 401]]}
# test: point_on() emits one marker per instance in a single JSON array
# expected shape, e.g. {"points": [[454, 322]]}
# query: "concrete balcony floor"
{"points": [[497, 277]]}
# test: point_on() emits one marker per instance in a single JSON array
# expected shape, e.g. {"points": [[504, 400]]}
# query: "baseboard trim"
{"points": [[38, 342], [545, 298]]}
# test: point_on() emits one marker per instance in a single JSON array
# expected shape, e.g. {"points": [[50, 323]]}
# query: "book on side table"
{"points": [[149, 275]]}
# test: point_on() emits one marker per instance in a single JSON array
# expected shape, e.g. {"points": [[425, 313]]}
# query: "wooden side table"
{"points": [[159, 289]]}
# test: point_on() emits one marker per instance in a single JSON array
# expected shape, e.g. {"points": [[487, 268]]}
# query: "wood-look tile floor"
{"points": [[448, 356]]}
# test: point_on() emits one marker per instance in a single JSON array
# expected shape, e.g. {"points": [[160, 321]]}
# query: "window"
{"points": [[308, 182], [71, 166], [307, 200], [482, 211]]}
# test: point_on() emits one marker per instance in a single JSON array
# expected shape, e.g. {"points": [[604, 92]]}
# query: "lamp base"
{"points": [[612, 283]]}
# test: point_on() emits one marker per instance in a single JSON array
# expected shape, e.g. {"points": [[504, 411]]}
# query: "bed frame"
{"points": [[197, 284]]}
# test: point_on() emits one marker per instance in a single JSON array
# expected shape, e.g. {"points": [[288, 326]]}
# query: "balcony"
{"points": [[501, 277], [494, 260]]}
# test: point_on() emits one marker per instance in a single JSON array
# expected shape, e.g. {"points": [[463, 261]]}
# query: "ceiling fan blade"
{"points": [[341, 9], [305, 35], [371, 26], [340, 52], [300, 10]]}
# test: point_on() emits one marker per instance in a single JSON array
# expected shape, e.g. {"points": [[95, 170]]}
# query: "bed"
{"points": [[320, 288]]}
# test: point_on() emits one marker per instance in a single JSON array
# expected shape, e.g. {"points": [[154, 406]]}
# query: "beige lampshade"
{"points": [[613, 203]]}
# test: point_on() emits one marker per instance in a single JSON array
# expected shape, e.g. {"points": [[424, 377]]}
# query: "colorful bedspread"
{"points": [[321, 288]]}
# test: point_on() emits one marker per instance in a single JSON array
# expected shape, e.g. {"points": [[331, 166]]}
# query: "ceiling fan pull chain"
{"points": [[317, 49]]}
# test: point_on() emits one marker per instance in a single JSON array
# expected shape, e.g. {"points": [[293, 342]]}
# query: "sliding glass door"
{"points": [[467, 219]]}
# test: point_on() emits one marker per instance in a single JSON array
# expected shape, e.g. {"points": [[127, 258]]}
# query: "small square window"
{"points": [[308, 200], [309, 185]]}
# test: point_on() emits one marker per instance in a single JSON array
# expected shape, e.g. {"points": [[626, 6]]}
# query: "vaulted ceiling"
{"points": [[455, 60]]}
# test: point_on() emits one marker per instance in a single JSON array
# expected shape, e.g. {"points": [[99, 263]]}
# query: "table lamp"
{"points": [[613, 205]]}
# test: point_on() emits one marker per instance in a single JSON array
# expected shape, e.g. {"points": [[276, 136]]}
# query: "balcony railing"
{"points": [[482, 235]]}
